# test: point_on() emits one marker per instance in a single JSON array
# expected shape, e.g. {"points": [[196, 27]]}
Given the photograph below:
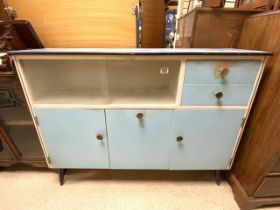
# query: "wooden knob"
{"points": [[179, 138], [219, 95], [140, 116], [99, 137], [222, 72]]}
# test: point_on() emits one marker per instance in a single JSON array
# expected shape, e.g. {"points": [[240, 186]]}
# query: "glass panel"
{"points": [[26, 140], [12, 106], [102, 81]]}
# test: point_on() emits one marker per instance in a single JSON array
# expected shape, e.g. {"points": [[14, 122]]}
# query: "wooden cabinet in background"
{"points": [[95, 24], [18, 138], [255, 175], [211, 28]]}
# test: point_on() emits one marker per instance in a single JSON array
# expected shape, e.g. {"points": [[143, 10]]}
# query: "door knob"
{"points": [[219, 95], [140, 116], [179, 138], [222, 72], [99, 137]]}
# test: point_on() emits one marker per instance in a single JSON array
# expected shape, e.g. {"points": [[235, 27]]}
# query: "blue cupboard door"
{"points": [[139, 139], [74, 138], [204, 139]]}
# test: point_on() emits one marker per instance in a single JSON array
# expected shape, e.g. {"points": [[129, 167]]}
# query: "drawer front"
{"points": [[216, 95], [269, 187], [139, 143], [204, 139], [70, 137], [221, 72]]}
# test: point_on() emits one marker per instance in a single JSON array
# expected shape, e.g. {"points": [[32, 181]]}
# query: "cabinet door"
{"points": [[139, 139], [204, 139], [73, 137]]}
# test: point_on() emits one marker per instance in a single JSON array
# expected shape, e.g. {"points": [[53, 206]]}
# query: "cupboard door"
{"points": [[204, 139], [74, 138], [139, 139]]}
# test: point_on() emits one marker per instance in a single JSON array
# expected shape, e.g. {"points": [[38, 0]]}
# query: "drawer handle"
{"points": [[140, 116], [219, 95], [222, 72], [179, 138], [99, 137]]}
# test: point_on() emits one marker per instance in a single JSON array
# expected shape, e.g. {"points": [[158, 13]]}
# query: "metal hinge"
{"points": [[242, 122], [134, 9], [49, 160], [36, 120]]}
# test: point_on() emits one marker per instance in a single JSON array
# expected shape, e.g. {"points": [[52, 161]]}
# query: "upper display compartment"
{"points": [[101, 81]]}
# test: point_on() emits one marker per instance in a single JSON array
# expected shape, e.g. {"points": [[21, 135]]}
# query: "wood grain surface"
{"points": [[260, 145], [84, 23]]}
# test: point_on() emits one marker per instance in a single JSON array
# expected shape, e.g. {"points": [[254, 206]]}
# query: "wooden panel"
{"points": [[70, 137], [276, 167], [269, 187], [201, 95], [208, 72], [219, 28], [153, 23], [209, 137], [214, 28], [260, 144], [139, 144], [84, 23]]}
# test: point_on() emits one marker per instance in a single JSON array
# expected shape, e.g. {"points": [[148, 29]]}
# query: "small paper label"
{"points": [[164, 70]]}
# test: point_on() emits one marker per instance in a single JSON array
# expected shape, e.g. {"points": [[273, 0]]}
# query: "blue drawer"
{"points": [[208, 95], [208, 72]]}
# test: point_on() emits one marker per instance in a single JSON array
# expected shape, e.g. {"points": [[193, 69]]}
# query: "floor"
{"points": [[23, 187]]}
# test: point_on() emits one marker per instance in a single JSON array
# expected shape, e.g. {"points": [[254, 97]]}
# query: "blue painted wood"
{"points": [[203, 72], [209, 138], [200, 95], [70, 137], [139, 144]]}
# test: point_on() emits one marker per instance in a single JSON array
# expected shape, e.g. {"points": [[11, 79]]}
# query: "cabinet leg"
{"points": [[61, 176], [218, 177]]}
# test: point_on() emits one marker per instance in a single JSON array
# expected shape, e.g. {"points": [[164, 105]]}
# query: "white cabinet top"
{"points": [[143, 51]]}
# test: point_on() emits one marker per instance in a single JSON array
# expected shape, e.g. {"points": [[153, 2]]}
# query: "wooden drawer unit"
{"points": [[270, 186], [140, 108]]}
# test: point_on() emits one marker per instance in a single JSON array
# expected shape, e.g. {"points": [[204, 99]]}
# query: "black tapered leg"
{"points": [[218, 177], [61, 176]]}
